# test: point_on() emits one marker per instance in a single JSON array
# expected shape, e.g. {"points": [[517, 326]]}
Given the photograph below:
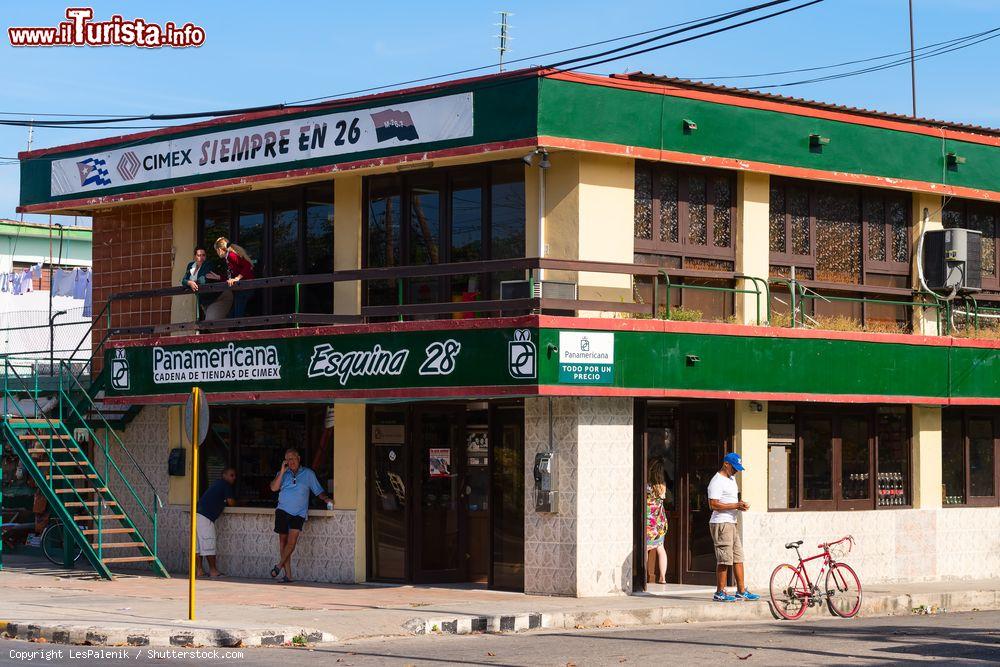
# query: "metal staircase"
{"points": [[80, 493]]}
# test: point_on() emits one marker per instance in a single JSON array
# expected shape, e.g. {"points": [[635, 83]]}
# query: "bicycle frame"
{"points": [[828, 562]]}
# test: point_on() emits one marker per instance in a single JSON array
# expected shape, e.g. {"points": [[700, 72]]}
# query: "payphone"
{"points": [[546, 482]]}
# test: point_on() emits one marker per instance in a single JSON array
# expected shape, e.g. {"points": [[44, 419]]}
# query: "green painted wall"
{"points": [[598, 113]]}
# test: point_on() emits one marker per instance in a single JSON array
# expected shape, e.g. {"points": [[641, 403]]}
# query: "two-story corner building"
{"points": [[710, 270]]}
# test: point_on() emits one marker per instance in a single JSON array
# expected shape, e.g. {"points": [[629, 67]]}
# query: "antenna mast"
{"points": [[504, 36]]}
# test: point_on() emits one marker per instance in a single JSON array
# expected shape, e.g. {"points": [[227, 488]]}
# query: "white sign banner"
{"points": [[586, 347], [226, 364], [395, 125]]}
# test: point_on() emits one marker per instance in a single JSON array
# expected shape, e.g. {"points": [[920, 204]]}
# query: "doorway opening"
{"points": [[687, 440], [446, 493]]}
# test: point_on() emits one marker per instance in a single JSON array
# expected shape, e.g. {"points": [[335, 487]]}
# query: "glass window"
{"points": [[254, 441], [319, 246], [782, 458], [969, 457], [953, 459], [250, 231], [507, 211], [467, 233], [817, 459], [384, 235], [981, 466], [643, 202], [893, 441], [284, 246], [855, 459], [215, 221]]}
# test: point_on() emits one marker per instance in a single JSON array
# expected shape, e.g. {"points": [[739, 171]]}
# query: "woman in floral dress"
{"points": [[656, 524]]}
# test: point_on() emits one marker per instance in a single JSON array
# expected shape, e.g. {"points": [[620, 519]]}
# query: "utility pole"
{"points": [[504, 36], [913, 65]]}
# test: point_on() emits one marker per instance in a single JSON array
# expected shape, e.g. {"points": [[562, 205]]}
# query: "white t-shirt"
{"points": [[725, 490]]}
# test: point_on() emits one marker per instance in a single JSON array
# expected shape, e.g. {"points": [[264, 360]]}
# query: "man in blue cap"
{"points": [[724, 499]]}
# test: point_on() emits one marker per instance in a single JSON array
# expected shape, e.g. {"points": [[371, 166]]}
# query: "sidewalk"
{"points": [[73, 607]]}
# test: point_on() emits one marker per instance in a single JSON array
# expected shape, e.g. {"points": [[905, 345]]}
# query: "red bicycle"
{"points": [[792, 590]]}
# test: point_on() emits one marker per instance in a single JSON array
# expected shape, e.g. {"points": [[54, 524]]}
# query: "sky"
{"points": [[259, 53]]}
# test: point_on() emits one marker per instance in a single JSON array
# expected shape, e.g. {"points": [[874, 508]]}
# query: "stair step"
{"points": [[74, 477], [83, 489], [53, 450], [24, 423], [46, 464], [90, 503], [129, 559], [84, 517], [44, 436], [108, 531], [120, 545]]}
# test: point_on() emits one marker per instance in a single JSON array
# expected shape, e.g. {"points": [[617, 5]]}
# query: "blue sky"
{"points": [[265, 52]]}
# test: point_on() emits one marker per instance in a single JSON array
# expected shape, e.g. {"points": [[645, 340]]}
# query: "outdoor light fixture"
{"points": [[756, 406], [689, 126], [544, 163], [692, 359], [953, 160], [818, 141]]}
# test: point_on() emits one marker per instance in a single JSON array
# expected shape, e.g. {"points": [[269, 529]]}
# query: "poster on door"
{"points": [[440, 462]]}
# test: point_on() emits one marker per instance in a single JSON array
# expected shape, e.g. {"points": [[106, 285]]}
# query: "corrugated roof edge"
{"points": [[756, 94]]}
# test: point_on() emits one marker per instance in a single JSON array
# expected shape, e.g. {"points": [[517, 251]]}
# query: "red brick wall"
{"points": [[132, 251]]}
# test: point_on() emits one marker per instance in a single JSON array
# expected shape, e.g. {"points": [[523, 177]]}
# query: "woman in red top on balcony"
{"points": [[240, 267]]}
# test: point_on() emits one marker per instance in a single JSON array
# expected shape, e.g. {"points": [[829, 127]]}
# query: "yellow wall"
{"points": [[347, 224], [751, 235], [606, 232], [751, 445], [349, 473], [924, 321], [185, 235], [926, 457]]}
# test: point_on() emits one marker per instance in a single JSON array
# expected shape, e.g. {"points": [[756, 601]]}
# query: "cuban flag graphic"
{"points": [[394, 124], [93, 171]]}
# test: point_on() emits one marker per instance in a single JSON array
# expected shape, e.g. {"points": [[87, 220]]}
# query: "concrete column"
{"points": [[925, 321], [606, 228], [752, 248], [926, 457], [348, 220], [349, 474], [750, 428], [585, 549], [185, 230]]}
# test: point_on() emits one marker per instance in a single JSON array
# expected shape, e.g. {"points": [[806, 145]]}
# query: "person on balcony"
{"points": [[200, 272], [239, 267]]}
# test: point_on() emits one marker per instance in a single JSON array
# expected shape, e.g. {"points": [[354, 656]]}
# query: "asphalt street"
{"points": [[959, 638]]}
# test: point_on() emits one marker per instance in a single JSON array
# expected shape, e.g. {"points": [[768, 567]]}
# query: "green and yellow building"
{"points": [[454, 279]]}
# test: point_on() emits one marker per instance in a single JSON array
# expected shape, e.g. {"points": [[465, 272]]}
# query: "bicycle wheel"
{"points": [[789, 594], [52, 545], [843, 591]]}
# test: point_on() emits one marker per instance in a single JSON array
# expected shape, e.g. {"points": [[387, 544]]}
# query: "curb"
{"points": [[176, 636], [872, 605]]}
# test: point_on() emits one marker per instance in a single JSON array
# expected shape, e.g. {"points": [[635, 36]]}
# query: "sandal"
{"points": [[275, 571]]}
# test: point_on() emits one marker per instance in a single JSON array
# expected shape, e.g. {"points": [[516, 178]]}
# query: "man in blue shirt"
{"points": [[210, 506], [293, 483]]}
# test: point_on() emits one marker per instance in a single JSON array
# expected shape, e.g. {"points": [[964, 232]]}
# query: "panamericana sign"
{"points": [[343, 362]]}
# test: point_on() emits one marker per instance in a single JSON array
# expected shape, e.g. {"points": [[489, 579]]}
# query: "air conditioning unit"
{"points": [[953, 260], [537, 289]]}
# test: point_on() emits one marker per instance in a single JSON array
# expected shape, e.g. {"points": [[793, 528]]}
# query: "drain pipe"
{"points": [[543, 165]]}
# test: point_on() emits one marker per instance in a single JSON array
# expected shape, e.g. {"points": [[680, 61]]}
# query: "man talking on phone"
{"points": [[293, 483]]}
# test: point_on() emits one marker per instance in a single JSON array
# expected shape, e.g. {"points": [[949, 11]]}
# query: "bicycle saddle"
{"points": [[793, 545]]}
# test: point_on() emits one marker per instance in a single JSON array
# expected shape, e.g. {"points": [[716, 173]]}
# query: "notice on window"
{"points": [[440, 462], [586, 357]]}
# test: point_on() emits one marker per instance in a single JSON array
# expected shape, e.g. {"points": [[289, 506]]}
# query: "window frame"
{"points": [[446, 178], [966, 415], [683, 250], [967, 206], [232, 203], [835, 414], [869, 267]]}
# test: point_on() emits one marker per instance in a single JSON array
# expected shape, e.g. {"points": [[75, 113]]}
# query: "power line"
{"points": [[684, 27], [840, 64]]}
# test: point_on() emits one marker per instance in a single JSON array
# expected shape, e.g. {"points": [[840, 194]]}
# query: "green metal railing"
{"points": [[69, 382], [760, 292], [800, 295]]}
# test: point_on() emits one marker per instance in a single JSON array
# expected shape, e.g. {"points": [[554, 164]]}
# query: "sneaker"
{"points": [[722, 596], [747, 595]]}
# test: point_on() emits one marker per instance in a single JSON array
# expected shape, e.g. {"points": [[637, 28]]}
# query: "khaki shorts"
{"points": [[728, 543], [206, 536]]}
